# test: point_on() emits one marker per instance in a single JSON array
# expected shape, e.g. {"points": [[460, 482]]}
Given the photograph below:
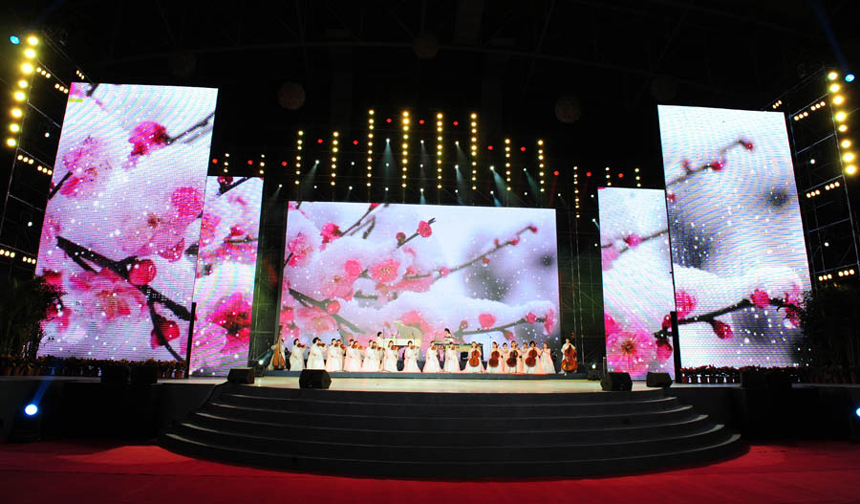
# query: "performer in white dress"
{"points": [[452, 360], [503, 366], [521, 368], [371, 361], [513, 353], [334, 357], [495, 357], [474, 353], [297, 356], [410, 359], [352, 362], [389, 359], [534, 369], [546, 365], [431, 360], [315, 354]]}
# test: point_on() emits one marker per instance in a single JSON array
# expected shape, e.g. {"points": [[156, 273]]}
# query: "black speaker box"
{"points": [[314, 378], [144, 375], [115, 373], [616, 382], [658, 380], [241, 375], [753, 379]]}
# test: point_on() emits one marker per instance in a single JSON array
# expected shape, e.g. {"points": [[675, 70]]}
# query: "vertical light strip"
{"points": [[576, 189], [405, 145], [608, 177], [299, 142], [508, 162], [541, 166], [335, 141], [638, 178], [439, 150], [370, 126], [473, 154], [20, 96]]}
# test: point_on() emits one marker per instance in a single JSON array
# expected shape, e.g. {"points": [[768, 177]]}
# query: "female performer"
{"points": [[316, 353], [452, 361], [297, 356], [334, 357], [352, 362], [474, 358], [371, 361], [389, 359], [431, 360], [546, 365], [410, 359], [521, 368], [495, 358], [531, 359]]}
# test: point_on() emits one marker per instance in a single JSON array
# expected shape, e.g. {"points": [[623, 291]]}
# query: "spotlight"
{"points": [[834, 88], [849, 77], [857, 412], [14, 39], [832, 76], [840, 116], [32, 40], [851, 169], [29, 53], [838, 99], [27, 68], [31, 409]]}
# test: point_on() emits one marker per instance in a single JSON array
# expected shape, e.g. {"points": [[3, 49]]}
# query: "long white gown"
{"points": [[511, 369], [474, 369], [498, 368], [389, 361], [334, 359], [297, 358], [546, 365], [452, 361], [531, 369], [352, 363], [371, 362], [315, 357], [431, 361], [410, 360]]}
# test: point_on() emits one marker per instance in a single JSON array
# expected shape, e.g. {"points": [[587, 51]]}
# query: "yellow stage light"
{"points": [[19, 96], [11, 142], [840, 116], [29, 53], [14, 128], [834, 87], [32, 40], [851, 169], [842, 128], [846, 143], [23, 83], [848, 157], [838, 99], [27, 68]]}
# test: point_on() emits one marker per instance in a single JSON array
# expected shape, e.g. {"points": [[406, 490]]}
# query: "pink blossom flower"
{"points": [[632, 240], [533, 229], [424, 229], [385, 271], [187, 201], [760, 298], [549, 322], [413, 318], [401, 236], [373, 205], [53, 278], [464, 324], [609, 324], [108, 294], [147, 137], [608, 256], [233, 313], [288, 316], [163, 233], [721, 329], [717, 165], [531, 318], [208, 226], [225, 182], [670, 197], [142, 272], [515, 241], [414, 280], [443, 272], [340, 284], [87, 163], [687, 165], [664, 349], [684, 304], [496, 242], [486, 320], [509, 335], [169, 330], [332, 307], [60, 314], [353, 268], [667, 323], [485, 260], [630, 352], [300, 249], [747, 144], [330, 232]]}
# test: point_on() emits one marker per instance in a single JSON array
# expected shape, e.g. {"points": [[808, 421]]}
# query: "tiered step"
{"points": [[449, 435]]}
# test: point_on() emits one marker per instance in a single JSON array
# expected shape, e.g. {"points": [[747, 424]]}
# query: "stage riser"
{"points": [[457, 469], [511, 409], [446, 423], [558, 435]]}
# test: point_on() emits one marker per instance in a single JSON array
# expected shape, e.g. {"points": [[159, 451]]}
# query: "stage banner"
{"points": [[226, 260], [488, 274], [637, 280], [123, 219], [740, 261]]}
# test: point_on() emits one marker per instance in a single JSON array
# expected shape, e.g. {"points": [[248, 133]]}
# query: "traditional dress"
{"points": [[334, 359], [498, 368], [474, 369], [410, 360], [531, 369], [352, 362], [389, 361], [431, 361], [452, 361], [546, 365], [297, 358], [315, 357], [371, 363]]}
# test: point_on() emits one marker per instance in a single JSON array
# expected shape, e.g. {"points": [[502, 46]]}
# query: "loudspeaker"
{"points": [[144, 375], [115, 373], [616, 382], [658, 380], [241, 375], [314, 378], [753, 379]]}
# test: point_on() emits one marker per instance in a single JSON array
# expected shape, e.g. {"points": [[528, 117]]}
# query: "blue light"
{"points": [[849, 77], [857, 412], [14, 39], [31, 409]]}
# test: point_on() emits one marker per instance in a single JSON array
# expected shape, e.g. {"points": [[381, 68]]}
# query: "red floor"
{"points": [[98, 472]]}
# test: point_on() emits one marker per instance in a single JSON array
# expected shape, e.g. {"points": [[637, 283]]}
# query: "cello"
{"points": [[494, 359], [531, 359], [512, 360], [569, 364], [475, 359]]}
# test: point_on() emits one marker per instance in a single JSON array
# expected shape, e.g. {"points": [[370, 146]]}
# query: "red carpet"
{"points": [[97, 472]]}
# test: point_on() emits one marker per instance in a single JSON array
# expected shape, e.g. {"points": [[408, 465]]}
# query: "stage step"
{"points": [[449, 435]]}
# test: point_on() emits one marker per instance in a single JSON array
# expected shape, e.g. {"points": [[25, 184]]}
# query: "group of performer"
{"points": [[351, 357]]}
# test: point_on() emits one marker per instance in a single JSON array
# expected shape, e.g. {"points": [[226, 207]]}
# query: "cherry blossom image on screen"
{"points": [[123, 219], [737, 238], [487, 274], [637, 280], [226, 261]]}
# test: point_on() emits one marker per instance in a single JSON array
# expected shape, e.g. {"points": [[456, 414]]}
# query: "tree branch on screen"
{"points": [[202, 123], [634, 240], [308, 302], [499, 328], [226, 184], [56, 188], [715, 165]]}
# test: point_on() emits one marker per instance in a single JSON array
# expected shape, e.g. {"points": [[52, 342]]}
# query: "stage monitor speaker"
{"points": [[144, 375], [241, 375], [753, 379], [616, 382], [314, 378], [658, 380], [115, 373]]}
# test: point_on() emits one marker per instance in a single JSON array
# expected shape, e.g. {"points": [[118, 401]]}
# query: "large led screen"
{"points": [[225, 274], [487, 274], [123, 219], [637, 280], [737, 238]]}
